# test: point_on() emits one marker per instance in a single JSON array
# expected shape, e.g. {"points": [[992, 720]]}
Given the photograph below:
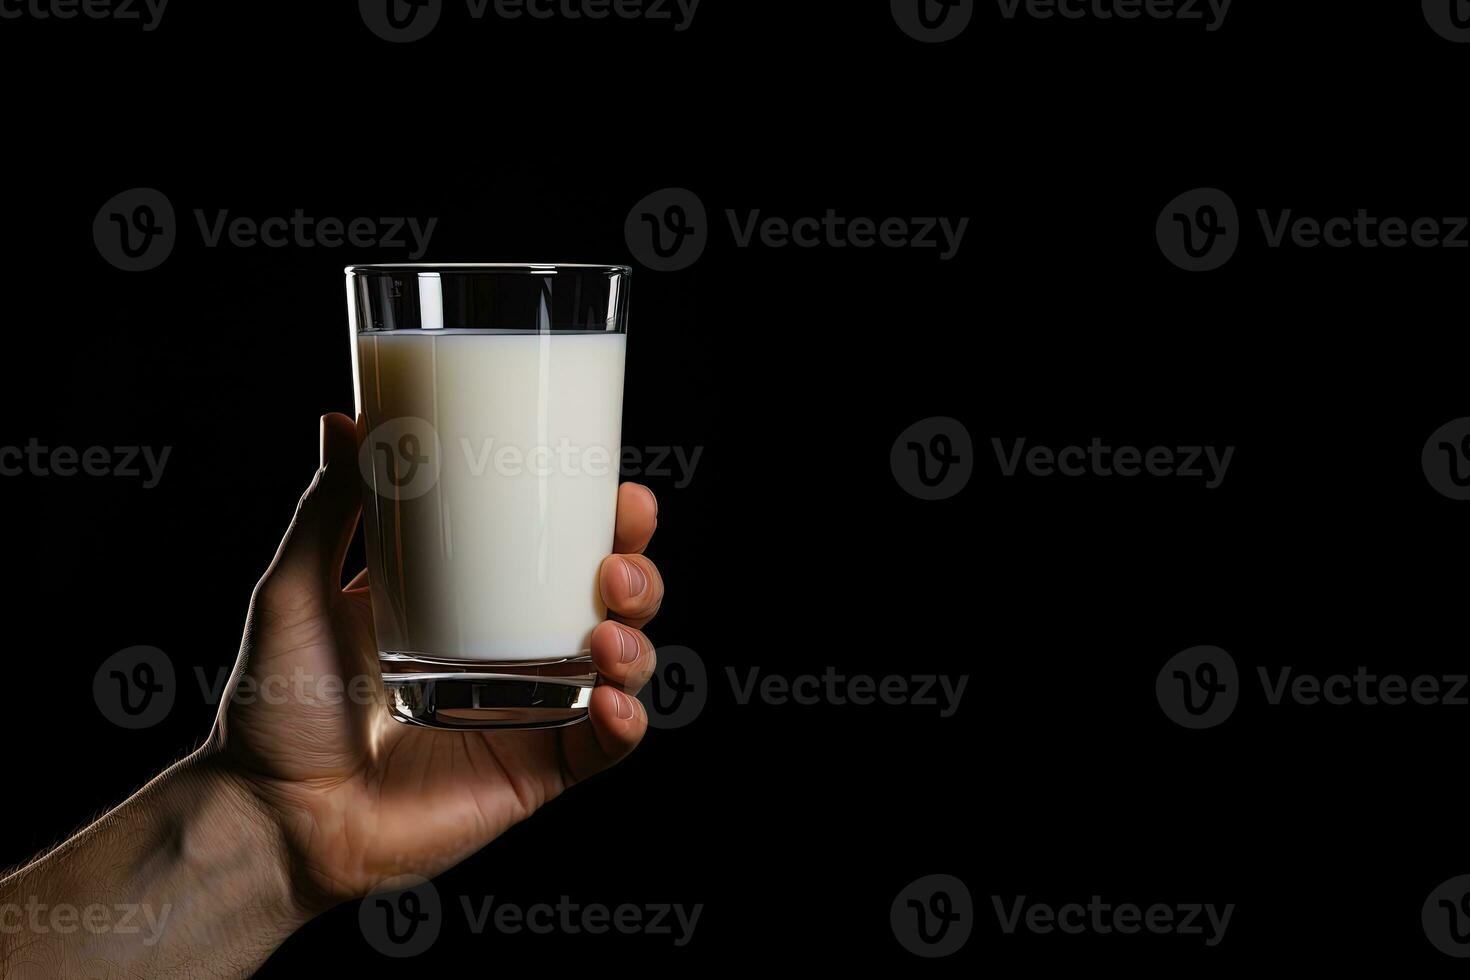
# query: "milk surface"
{"points": [[491, 461]]}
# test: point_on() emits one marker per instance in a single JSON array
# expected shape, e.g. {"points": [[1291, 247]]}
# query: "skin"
{"points": [[299, 801]]}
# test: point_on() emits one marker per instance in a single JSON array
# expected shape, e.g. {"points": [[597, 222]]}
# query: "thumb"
{"points": [[308, 564]]}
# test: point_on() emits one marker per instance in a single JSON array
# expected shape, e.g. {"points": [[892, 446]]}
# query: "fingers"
{"points": [[624, 657], [615, 725], [308, 564], [637, 519], [631, 587]]}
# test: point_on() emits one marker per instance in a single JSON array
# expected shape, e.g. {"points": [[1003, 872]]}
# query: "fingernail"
{"points": [[652, 496], [637, 581], [629, 644], [321, 442], [625, 706]]}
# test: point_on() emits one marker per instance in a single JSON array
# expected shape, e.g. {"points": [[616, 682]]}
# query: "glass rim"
{"points": [[508, 268]]}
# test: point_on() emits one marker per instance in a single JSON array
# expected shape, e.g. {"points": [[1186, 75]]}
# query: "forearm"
{"points": [[185, 879]]}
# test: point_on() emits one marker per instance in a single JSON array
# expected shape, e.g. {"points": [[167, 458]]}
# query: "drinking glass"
{"points": [[489, 411]]}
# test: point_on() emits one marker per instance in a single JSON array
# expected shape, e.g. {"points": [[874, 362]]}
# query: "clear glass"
{"points": [[489, 413]]}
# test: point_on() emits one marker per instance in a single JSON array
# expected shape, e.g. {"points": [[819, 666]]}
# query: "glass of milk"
{"points": [[489, 412]]}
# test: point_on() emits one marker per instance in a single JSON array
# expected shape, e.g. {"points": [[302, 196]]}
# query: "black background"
{"points": [[793, 370]]}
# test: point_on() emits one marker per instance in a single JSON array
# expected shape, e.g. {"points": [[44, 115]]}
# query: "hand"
{"points": [[305, 795], [360, 798]]}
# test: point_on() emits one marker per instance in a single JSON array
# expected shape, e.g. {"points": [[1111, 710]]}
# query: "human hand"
{"points": [[360, 798]]}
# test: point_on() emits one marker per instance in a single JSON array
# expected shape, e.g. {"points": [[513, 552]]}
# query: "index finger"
{"points": [[637, 519]]}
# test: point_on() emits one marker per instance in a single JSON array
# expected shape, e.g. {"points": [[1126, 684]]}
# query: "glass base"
{"points": [[461, 695]]}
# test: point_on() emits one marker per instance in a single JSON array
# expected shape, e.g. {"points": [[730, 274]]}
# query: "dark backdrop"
{"points": [[794, 546]]}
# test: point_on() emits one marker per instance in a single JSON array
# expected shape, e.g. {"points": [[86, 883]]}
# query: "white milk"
{"points": [[497, 558]]}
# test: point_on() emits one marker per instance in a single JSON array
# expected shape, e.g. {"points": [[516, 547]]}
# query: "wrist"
{"points": [[195, 862], [233, 839]]}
